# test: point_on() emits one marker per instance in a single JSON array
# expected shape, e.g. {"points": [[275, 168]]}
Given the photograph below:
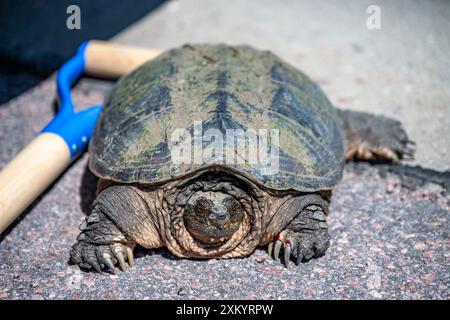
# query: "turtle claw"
{"points": [[409, 150], [277, 245], [287, 254], [119, 256], [130, 256], [109, 262], [98, 257], [299, 245], [94, 263], [276, 251], [270, 249], [90, 259], [299, 259]]}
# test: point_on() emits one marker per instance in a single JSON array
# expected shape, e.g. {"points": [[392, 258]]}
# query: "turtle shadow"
{"points": [[140, 252], [87, 190], [163, 252], [412, 177]]}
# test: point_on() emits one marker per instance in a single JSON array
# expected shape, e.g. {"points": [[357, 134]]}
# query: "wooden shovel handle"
{"points": [[109, 60], [29, 174]]}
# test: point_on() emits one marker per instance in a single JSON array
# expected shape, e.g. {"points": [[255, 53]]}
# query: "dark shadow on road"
{"points": [[87, 190]]}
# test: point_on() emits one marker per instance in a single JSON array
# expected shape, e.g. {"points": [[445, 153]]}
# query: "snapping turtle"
{"points": [[173, 151]]}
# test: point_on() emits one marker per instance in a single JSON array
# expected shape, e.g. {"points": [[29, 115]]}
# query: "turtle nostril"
{"points": [[218, 218], [222, 216]]}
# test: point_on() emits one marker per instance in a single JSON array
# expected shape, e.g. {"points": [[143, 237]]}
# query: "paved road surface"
{"points": [[390, 235]]}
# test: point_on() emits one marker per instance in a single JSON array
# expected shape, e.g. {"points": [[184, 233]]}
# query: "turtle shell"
{"points": [[207, 92]]}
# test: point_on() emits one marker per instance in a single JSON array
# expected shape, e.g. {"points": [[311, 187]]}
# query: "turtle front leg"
{"points": [[305, 237], [101, 244], [369, 137], [119, 219]]}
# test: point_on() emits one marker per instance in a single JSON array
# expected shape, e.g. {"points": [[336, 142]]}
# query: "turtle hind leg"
{"points": [[370, 137]]}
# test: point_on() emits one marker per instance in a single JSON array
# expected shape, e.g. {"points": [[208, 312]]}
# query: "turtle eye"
{"points": [[202, 202]]}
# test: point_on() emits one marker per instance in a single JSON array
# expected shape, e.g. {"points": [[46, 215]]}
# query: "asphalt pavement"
{"points": [[389, 232]]}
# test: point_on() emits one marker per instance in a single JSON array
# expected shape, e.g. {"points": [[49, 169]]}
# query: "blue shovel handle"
{"points": [[74, 128], [39, 163]]}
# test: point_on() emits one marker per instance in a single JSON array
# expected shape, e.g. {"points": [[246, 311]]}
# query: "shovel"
{"points": [[67, 135]]}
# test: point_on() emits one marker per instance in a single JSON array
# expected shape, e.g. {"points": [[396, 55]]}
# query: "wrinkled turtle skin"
{"points": [[212, 207]]}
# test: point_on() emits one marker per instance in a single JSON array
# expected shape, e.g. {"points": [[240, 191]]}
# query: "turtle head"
{"points": [[212, 216]]}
